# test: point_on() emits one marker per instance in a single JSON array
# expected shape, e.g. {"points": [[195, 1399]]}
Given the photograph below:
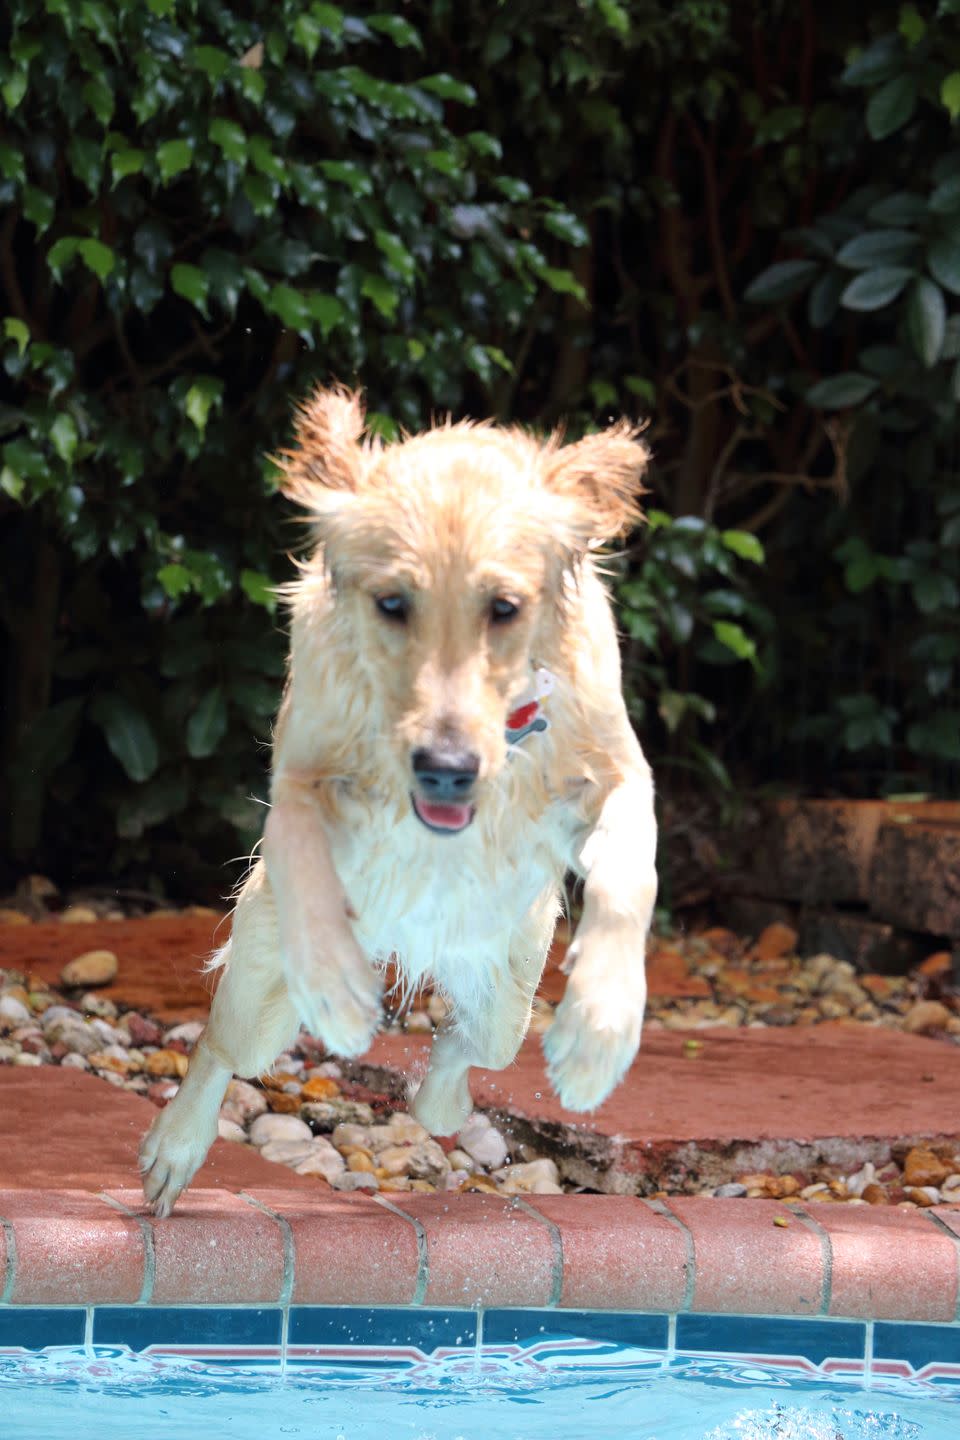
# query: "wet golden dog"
{"points": [[452, 741]]}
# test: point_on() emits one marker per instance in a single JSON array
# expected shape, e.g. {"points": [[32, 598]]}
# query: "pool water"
{"points": [[89, 1394]]}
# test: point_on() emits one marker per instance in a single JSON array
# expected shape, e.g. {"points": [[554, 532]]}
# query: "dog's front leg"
{"points": [[331, 983], [596, 1032]]}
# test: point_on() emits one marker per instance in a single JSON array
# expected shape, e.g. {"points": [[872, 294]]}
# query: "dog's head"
{"points": [[453, 558]]}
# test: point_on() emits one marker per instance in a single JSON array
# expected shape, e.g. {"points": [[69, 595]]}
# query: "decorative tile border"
{"points": [[271, 1249], [407, 1340]]}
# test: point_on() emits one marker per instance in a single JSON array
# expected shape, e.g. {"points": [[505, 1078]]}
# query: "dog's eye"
{"points": [[393, 607], [502, 610]]}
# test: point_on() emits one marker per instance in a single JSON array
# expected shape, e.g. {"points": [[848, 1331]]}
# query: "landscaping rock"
{"points": [[267, 1128], [482, 1141], [95, 967]]}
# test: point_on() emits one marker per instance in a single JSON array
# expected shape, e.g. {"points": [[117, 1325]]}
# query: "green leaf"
{"points": [[839, 391], [14, 87], [16, 330], [307, 33], [38, 207], [900, 208], [563, 282], [445, 161], [890, 107], [397, 254], [346, 173], [911, 25], [877, 247], [926, 320], [205, 393], [400, 31], [744, 544], [945, 199], [11, 162], [823, 302], [128, 734], [126, 162], [950, 93], [230, 137], [447, 88], [265, 160], [100, 98], [780, 282], [382, 293], [943, 262], [173, 157], [326, 310], [735, 638], [192, 283], [875, 63], [259, 589], [12, 484], [290, 306], [213, 62], [175, 579], [329, 16], [64, 437], [208, 724], [872, 289]]}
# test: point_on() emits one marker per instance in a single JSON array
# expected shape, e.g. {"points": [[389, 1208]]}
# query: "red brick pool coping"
{"points": [[75, 1231]]}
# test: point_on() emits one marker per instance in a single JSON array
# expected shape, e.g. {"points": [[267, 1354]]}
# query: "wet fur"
{"points": [[350, 876]]}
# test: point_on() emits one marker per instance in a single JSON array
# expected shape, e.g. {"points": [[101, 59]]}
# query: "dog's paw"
{"points": [[595, 1033], [338, 1000], [439, 1106], [589, 1049], [171, 1153]]}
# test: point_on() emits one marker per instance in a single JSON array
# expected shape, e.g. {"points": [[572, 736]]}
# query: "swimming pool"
{"points": [[334, 1373]]}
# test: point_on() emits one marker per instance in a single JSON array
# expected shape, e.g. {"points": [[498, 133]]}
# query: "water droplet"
{"points": [[537, 1095]]}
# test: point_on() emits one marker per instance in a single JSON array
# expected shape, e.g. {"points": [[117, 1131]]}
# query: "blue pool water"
{"points": [[76, 1393]]}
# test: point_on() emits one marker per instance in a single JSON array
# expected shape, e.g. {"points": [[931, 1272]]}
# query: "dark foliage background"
{"points": [[739, 219]]}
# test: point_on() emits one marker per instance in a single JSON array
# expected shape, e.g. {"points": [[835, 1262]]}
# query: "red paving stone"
{"points": [[594, 1252], [347, 1249], [483, 1251], [161, 960], [741, 1085], [756, 1258], [618, 1253], [919, 1280]]}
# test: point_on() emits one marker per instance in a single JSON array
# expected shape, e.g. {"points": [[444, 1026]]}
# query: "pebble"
{"points": [[926, 1017], [142, 1031], [79, 915], [285, 1152], [75, 1061], [733, 1190], [922, 1167], [323, 1160], [99, 1005], [482, 1141], [188, 1033], [167, 1062], [13, 1012], [13, 917], [25, 1058], [326, 1115], [418, 1022], [350, 1180], [246, 1100], [74, 1034], [230, 1130], [94, 967], [267, 1128], [530, 1177]]}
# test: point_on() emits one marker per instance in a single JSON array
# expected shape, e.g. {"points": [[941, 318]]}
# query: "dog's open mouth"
{"points": [[442, 819]]}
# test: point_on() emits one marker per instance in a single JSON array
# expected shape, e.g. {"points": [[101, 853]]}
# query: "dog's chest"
{"points": [[425, 898]]}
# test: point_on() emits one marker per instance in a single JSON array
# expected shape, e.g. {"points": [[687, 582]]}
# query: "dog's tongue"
{"points": [[444, 817]]}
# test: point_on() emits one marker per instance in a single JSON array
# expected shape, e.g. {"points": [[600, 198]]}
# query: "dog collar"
{"points": [[527, 717]]}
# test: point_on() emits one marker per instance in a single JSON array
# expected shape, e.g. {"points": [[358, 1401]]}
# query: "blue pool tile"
{"points": [[919, 1345], [33, 1327], [815, 1340], [139, 1327], [529, 1327], [426, 1330]]}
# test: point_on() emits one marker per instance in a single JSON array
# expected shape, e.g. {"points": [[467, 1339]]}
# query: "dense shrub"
{"points": [[742, 220]]}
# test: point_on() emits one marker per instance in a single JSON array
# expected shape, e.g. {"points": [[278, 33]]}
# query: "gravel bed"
{"points": [[318, 1117]]}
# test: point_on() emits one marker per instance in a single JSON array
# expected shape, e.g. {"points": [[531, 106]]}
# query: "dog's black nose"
{"points": [[445, 773]]}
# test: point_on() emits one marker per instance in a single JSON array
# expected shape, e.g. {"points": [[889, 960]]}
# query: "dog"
{"points": [[452, 741]]}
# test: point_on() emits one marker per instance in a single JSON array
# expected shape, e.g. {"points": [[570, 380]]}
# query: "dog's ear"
{"points": [[327, 453], [599, 479]]}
